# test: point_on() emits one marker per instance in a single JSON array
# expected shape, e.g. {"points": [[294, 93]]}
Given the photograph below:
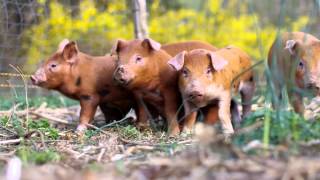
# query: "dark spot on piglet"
{"points": [[103, 92], [78, 81], [251, 79], [85, 97]]}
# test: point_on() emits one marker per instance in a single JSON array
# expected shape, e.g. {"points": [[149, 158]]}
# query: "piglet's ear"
{"points": [[70, 52], [291, 46], [62, 44], [218, 62], [177, 62], [151, 44], [117, 46]]}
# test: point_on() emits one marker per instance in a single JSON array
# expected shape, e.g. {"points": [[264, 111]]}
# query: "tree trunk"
{"points": [[140, 18]]}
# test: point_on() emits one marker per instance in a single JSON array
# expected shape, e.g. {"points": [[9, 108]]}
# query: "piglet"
{"points": [[294, 63], [87, 79], [207, 80]]}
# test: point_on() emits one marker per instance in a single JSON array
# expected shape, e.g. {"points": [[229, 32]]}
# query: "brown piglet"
{"points": [[143, 69], [88, 79], [207, 80], [294, 63]]}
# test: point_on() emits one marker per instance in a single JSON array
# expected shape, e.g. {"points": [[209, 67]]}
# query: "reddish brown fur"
{"points": [[286, 68], [152, 80], [175, 48], [215, 85], [89, 80]]}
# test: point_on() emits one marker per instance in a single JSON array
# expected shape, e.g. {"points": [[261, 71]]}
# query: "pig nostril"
{"points": [[120, 70], [195, 95], [121, 80]]}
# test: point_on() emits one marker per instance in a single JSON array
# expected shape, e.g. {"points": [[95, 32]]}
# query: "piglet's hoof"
{"points": [[143, 126], [186, 132], [227, 138], [81, 129], [173, 132]]}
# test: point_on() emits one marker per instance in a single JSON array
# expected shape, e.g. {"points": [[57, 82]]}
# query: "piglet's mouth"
{"points": [[314, 88], [36, 81], [197, 101], [122, 81]]}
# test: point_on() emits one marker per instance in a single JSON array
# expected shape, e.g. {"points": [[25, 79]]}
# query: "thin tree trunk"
{"points": [[140, 18]]}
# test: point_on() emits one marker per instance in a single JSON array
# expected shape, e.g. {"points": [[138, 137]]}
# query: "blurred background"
{"points": [[30, 30]]}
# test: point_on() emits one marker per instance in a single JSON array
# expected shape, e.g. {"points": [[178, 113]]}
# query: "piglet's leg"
{"points": [[297, 103], [225, 115], [143, 121], [170, 109], [246, 90], [212, 115], [89, 106], [189, 122], [190, 117]]}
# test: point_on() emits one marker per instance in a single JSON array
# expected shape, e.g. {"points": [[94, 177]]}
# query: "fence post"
{"points": [[140, 18]]}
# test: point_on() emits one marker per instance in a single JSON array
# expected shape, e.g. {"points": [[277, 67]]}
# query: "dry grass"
{"points": [[120, 151]]}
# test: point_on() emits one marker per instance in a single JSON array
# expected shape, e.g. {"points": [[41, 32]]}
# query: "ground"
{"points": [[48, 148]]}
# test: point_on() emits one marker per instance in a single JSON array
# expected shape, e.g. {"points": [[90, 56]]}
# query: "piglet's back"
{"points": [[236, 57], [175, 48], [238, 62]]}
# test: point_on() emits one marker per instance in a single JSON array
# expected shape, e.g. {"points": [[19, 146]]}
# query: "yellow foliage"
{"points": [[96, 31]]}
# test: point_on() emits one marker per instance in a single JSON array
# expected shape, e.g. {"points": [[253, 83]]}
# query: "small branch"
{"points": [[11, 141], [103, 150], [249, 128], [96, 128], [311, 143], [51, 118]]}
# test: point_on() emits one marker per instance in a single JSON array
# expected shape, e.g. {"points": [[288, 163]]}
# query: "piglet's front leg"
{"points": [[190, 119], [225, 115], [89, 106], [143, 120], [170, 110]]}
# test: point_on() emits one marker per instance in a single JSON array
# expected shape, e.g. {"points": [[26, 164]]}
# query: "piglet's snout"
{"points": [[121, 75], [120, 70], [194, 91], [39, 77], [195, 95]]}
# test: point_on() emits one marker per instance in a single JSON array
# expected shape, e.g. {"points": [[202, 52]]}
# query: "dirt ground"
{"points": [[113, 153]]}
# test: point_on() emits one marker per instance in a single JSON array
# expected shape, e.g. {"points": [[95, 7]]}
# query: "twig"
{"points": [[311, 143], [130, 114], [8, 130], [96, 128], [249, 128], [127, 141], [11, 141], [51, 118], [114, 123], [103, 150], [3, 135]]}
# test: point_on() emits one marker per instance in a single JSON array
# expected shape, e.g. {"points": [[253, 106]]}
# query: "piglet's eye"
{"points": [[209, 70], [53, 65], [138, 59], [184, 73], [301, 65]]}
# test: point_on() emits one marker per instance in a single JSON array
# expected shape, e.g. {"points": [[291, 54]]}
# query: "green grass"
{"points": [[41, 125], [53, 101], [286, 127], [29, 155]]}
